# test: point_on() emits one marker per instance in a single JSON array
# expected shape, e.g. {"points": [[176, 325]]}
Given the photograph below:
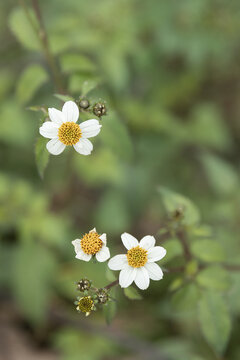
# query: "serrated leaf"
{"points": [[64, 98], [22, 29], [110, 311], [41, 155], [31, 79], [208, 250], [214, 277], [173, 201], [215, 320], [132, 293]]}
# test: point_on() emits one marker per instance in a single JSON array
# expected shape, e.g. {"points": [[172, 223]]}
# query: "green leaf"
{"points": [[208, 250], [75, 62], [41, 155], [173, 201], [115, 136], [186, 298], [34, 267], [88, 86], [214, 277], [109, 311], [132, 293], [31, 79], [215, 320], [22, 29], [221, 174], [174, 248], [64, 98]]}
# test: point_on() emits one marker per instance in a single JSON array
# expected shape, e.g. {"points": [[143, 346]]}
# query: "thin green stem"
{"points": [[42, 35], [109, 286]]}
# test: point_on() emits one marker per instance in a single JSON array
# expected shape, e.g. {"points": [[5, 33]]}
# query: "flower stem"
{"points": [[42, 35], [109, 286]]}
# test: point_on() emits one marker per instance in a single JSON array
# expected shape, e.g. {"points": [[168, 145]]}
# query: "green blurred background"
{"points": [[169, 73]]}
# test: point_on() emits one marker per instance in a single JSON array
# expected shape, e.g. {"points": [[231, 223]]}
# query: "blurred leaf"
{"points": [[221, 175], [214, 277], [208, 250], [113, 206], [109, 311], [88, 86], [186, 298], [42, 155], [22, 29], [31, 79], [215, 320], [132, 293], [115, 136], [75, 62], [64, 98], [173, 201], [33, 272], [174, 248]]}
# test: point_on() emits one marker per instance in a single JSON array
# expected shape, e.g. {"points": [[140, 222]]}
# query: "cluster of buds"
{"points": [[99, 108], [92, 298]]}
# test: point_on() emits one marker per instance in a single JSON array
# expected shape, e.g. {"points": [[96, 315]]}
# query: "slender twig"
{"points": [[109, 286], [42, 35], [186, 250]]}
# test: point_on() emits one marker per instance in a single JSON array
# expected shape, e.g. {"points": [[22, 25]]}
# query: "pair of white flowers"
{"points": [[63, 130], [137, 265]]}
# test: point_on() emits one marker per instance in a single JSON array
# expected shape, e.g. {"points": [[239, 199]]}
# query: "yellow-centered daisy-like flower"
{"points": [[92, 244], [138, 264], [85, 305], [63, 130]]}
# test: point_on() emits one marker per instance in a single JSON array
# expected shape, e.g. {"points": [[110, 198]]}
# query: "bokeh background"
{"points": [[169, 73]]}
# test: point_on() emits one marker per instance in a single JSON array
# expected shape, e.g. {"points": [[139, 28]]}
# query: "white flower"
{"points": [[63, 130], [92, 244], [138, 264]]}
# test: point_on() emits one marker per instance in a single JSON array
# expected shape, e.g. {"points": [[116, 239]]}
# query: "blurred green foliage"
{"points": [[169, 71]]}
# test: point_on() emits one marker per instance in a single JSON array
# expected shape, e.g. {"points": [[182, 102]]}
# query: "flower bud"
{"points": [[102, 296], [99, 109], [84, 103], [83, 285]]}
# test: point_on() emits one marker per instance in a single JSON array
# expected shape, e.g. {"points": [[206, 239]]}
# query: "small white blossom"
{"points": [[92, 244], [138, 264], [63, 130]]}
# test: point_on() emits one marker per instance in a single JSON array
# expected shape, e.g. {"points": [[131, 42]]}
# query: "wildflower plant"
{"points": [[182, 258]]}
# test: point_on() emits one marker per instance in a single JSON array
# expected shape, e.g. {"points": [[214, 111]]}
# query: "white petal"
{"points": [[55, 146], [156, 253], [154, 271], [83, 146], [127, 276], [103, 254], [77, 245], [93, 230], [70, 111], [147, 242], [90, 128], [56, 116], [142, 278], [129, 241], [82, 256], [118, 262], [49, 130], [103, 237]]}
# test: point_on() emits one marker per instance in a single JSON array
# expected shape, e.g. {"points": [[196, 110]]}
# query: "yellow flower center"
{"points": [[91, 243], [85, 304], [69, 133], [137, 257]]}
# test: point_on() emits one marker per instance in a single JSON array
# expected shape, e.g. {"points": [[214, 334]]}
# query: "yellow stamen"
{"points": [[91, 243], [85, 305], [137, 257], [69, 133]]}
